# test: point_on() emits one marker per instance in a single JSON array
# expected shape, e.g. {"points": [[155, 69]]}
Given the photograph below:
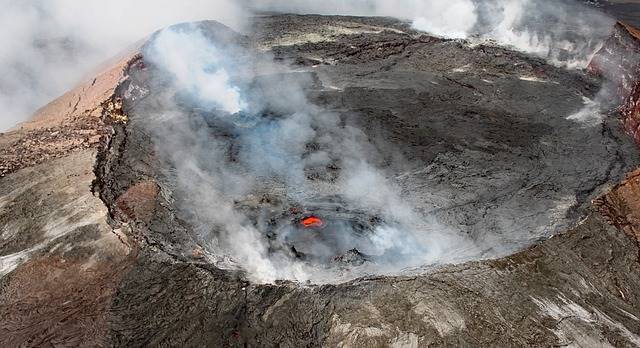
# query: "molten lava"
{"points": [[312, 221]]}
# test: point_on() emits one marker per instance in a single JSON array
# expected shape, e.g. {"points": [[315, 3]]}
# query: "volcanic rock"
{"points": [[94, 250], [352, 257], [620, 55], [139, 201]]}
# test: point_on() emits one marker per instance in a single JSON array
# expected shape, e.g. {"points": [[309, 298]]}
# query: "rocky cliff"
{"points": [[619, 58]]}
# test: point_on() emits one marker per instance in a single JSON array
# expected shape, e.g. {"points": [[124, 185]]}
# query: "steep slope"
{"points": [[60, 259]]}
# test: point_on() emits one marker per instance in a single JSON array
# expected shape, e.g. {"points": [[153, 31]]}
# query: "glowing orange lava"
{"points": [[312, 221]]}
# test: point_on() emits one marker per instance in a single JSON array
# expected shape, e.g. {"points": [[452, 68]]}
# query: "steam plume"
{"points": [[270, 123], [48, 46]]}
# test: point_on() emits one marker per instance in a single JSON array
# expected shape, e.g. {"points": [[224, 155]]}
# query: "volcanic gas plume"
{"points": [[232, 124], [244, 145], [50, 46]]}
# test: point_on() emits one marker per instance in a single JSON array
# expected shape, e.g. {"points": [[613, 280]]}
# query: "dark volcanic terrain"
{"points": [[523, 193]]}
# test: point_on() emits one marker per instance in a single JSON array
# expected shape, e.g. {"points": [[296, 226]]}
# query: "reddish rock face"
{"points": [[73, 122], [64, 279], [138, 202], [630, 111], [619, 61], [621, 206]]}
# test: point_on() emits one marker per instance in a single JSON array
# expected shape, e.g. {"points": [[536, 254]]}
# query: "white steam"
{"points": [[270, 133], [446, 18], [590, 115], [48, 46], [565, 32], [196, 69]]}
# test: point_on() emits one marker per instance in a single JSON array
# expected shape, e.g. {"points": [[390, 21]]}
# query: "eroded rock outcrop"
{"points": [[60, 259], [621, 206]]}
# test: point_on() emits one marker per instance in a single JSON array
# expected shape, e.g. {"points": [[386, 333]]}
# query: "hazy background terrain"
{"points": [[49, 46]]}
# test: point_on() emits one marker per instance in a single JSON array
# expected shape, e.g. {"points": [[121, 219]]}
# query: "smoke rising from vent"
{"points": [[446, 18], [565, 32], [49, 46], [198, 68], [256, 140]]}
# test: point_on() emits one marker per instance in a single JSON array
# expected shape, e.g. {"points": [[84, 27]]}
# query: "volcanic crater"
{"points": [[475, 147], [374, 186]]}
